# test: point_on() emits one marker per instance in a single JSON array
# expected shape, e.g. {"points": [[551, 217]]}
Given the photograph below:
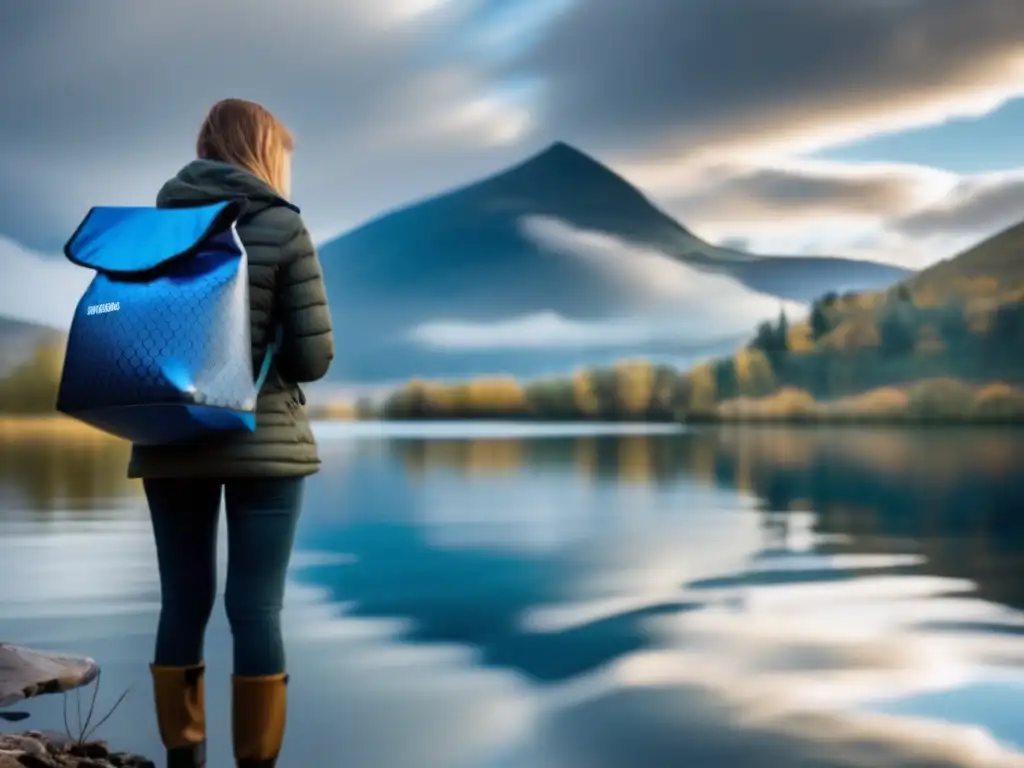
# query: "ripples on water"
{"points": [[762, 597]]}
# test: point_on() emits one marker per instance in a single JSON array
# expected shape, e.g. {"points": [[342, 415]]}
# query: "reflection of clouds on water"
{"points": [[541, 514], [742, 683], [380, 702], [599, 603], [703, 722], [84, 566], [666, 619]]}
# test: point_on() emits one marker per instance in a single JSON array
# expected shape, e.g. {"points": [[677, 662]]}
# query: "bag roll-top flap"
{"points": [[134, 240]]}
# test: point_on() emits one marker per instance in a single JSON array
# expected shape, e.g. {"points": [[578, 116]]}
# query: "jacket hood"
{"points": [[204, 182]]}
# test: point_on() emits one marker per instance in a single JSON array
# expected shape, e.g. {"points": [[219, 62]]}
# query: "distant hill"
{"points": [[19, 339], [944, 346], [473, 255], [999, 258]]}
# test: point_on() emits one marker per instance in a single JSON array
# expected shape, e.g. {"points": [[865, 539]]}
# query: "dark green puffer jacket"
{"points": [[285, 281]]}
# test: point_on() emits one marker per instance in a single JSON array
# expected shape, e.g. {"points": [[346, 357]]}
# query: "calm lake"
{"points": [[497, 596]]}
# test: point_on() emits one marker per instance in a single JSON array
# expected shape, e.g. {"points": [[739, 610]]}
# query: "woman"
{"points": [[244, 152]]}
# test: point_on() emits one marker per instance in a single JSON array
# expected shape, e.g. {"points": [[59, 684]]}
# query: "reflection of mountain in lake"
{"points": [[653, 614], [627, 576], [935, 494]]}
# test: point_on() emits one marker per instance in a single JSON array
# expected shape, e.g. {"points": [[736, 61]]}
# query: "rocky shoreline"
{"points": [[38, 749]]}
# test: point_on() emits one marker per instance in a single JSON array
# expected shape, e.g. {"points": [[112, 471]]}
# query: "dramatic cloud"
{"points": [[545, 330], [783, 192], [109, 95], [685, 302], [698, 77], [910, 216], [395, 99], [647, 272], [980, 204]]}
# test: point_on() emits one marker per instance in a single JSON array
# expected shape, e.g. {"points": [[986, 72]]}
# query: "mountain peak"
{"points": [[557, 148], [560, 153], [562, 169]]}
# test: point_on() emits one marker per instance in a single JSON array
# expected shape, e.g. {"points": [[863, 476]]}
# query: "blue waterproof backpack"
{"points": [[159, 349]]}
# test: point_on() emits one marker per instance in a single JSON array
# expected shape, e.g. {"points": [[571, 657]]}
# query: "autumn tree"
{"points": [[702, 390], [551, 398], [604, 384], [896, 326], [634, 386], [754, 373], [668, 394], [584, 397], [726, 382], [32, 386], [823, 316]]}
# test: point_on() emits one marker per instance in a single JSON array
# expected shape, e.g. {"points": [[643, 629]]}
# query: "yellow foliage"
{"points": [[926, 400], [338, 411], [634, 384], [32, 386], [415, 388], [940, 398], [979, 313], [741, 364], [19, 429], [789, 403], [754, 372], [998, 402], [867, 300], [881, 403], [702, 389], [496, 394], [50, 359], [583, 393], [857, 332], [927, 296], [445, 398], [798, 338], [976, 286]]}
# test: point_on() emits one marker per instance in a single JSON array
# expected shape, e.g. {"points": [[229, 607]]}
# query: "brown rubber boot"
{"points": [[180, 696], [258, 715]]}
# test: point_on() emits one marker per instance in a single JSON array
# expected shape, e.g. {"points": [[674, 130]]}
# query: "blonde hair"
{"points": [[249, 136]]}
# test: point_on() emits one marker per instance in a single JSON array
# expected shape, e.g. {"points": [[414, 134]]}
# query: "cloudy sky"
{"points": [[880, 128]]}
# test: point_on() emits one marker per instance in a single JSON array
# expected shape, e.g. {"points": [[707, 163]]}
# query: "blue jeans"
{"points": [[261, 515]]}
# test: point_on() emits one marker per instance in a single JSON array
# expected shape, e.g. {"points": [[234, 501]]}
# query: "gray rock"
{"points": [[25, 673], [33, 749]]}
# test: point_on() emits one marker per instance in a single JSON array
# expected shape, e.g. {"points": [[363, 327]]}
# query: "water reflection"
{"points": [[952, 496], [887, 564], [731, 597], [47, 471]]}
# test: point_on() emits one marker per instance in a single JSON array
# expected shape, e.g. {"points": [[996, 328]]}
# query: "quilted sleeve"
{"points": [[307, 344]]}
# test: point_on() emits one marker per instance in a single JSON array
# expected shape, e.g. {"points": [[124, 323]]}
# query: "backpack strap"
{"points": [[250, 208], [272, 349]]}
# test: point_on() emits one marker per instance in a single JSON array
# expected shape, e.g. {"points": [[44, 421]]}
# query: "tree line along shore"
{"points": [[913, 353]]}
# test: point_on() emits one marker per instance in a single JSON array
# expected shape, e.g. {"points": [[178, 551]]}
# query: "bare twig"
{"points": [[84, 731], [92, 703], [78, 707], [67, 728], [111, 711]]}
